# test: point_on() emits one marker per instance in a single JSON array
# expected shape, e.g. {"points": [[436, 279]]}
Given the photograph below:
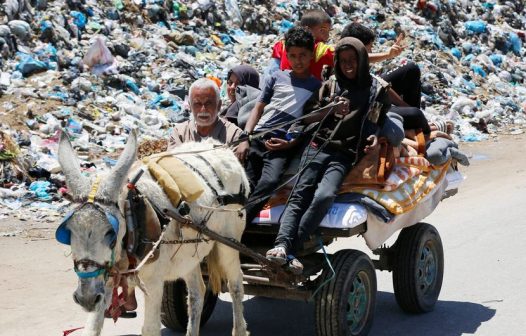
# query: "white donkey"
{"points": [[95, 230]]}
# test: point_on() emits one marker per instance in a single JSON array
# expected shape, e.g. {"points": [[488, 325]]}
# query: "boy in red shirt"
{"points": [[319, 24]]}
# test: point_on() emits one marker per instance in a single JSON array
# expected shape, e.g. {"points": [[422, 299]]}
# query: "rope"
{"points": [[218, 209], [323, 284]]}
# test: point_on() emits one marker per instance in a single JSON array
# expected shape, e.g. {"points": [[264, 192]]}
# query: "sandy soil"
{"points": [[482, 228]]}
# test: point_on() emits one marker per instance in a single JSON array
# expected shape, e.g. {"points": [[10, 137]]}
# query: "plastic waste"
{"points": [[496, 59], [477, 26], [79, 19], [29, 65], [515, 43], [21, 29], [40, 188], [479, 70], [456, 52], [99, 58], [232, 8]]}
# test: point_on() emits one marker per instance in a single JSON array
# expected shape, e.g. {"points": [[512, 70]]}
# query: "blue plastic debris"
{"points": [[133, 87], [456, 52], [40, 188], [29, 65], [74, 126], [226, 39], [515, 43], [79, 19], [476, 26], [284, 26], [478, 69], [389, 34], [496, 59]]}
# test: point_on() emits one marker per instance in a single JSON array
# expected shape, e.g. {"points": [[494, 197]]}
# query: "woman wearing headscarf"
{"points": [[340, 141], [241, 75]]}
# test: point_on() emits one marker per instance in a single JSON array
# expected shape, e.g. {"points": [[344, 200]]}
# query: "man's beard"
{"points": [[205, 123]]}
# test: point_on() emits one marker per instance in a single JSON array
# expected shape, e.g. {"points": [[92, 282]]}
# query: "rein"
{"points": [[100, 268]]}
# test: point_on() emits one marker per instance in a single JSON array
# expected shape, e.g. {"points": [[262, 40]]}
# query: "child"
{"points": [[405, 82], [319, 23], [337, 147], [239, 76], [282, 98], [405, 79]]}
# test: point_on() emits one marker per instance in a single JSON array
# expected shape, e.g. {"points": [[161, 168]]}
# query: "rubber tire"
{"points": [[413, 243], [174, 309], [331, 302]]}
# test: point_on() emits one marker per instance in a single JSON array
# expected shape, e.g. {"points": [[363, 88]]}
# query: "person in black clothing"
{"points": [[405, 83], [341, 141], [404, 79]]}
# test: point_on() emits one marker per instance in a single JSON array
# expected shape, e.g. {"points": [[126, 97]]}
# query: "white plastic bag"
{"points": [[98, 54]]}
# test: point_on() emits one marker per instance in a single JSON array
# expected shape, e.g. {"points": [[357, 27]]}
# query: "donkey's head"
{"points": [[95, 226]]}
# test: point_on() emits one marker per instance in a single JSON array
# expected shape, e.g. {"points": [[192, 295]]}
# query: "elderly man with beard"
{"points": [[205, 104]]}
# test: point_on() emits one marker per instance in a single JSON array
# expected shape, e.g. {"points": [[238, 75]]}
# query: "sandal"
{"points": [[294, 265], [277, 254]]}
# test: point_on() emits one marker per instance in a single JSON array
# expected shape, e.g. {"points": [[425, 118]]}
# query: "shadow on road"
{"points": [[450, 318], [283, 317]]}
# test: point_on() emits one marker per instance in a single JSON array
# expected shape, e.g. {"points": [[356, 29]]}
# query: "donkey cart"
{"points": [[342, 285]]}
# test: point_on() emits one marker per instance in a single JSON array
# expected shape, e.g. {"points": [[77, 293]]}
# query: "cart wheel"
{"points": [[345, 305], [174, 309], [418, 268]]}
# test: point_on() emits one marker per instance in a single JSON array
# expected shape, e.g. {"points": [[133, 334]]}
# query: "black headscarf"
{"points": [[248, 76], [363, 77], [354, 129]]}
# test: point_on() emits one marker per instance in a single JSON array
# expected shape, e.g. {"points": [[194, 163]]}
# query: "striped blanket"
{"points": [[411, 180]]}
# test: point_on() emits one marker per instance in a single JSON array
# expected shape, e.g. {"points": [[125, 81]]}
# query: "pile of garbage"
{"points": [[100, 68]]}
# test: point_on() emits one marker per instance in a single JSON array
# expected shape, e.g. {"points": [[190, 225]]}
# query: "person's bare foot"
{"points": [[438, 134]]}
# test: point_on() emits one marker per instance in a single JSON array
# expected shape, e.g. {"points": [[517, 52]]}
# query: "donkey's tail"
{"points": [[215, 271]]}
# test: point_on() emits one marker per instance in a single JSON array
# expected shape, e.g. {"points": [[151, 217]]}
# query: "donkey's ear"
{"points": [[111, 186], [78, 184]]}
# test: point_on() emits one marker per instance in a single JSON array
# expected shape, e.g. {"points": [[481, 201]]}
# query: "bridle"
{"points": [[63, 234]]}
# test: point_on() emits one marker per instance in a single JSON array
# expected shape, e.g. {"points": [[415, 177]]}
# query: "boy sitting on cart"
{"points": [[282, 99], [340, 140]]}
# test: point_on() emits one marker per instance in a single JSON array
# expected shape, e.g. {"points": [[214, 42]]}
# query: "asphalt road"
{"points": [[483, 230]]}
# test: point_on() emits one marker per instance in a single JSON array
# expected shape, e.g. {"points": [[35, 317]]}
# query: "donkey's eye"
{"points": [[110, 237]]}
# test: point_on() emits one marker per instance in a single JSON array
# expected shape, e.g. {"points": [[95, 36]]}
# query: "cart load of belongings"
{"points": [[386, 192]]}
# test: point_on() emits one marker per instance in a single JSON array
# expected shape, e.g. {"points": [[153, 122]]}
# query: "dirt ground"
{"points": [[482, 229]]}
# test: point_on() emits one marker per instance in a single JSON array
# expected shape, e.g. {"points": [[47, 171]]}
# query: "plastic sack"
{"points": [[477, 26], [98, 54], [456, 52], [479, 70], [79, 19], [515, 43], [496, 59], [21, 29], [232, 8], [28, 65]]}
